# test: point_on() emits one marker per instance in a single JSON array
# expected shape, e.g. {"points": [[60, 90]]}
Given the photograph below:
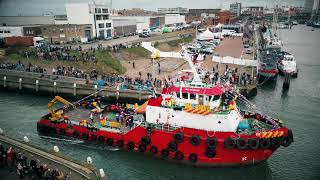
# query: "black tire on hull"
{"points": [[193, 158], [211, 142], [130, 145], [195, 140], [211, 152], [179, 155], [265, 143], [109, 141], [153, 149], [142, 148], [275, 142], [149, 129], [253, 144], [120, 143], [242, 144], [172, 146], [85, 136], [229, 143], [146, 140], [62, 131], [286, 141], [101, 139], [178, 137], [164, 153], [75, 134]]}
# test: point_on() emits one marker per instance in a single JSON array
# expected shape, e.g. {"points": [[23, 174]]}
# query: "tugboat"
{"points": [[194, 124]]}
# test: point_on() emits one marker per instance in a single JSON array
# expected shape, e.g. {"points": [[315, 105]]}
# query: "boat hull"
{"points": [[161, 138]]}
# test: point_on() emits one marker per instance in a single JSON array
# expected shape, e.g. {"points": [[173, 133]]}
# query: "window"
{"points": [[178, 94], [105, 17], [1, 31], [44, 29], [192, 96], [98, 17], [101, 25], [104, 10], [185, 95], [108, 25], [61, 30], [98, 10]]}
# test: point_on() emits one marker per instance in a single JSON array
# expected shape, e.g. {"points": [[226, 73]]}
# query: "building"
{"points": [[9, 31], [62, 33], [174, 19], [133, 12], [26, 20], [177, 10], [253, 10], [145, 22], [199, 12], [98, 16], [225, 17], [235, 9], [123, 27]]}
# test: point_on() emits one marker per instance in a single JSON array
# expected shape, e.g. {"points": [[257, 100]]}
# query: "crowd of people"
{"points": [[17, 162]]}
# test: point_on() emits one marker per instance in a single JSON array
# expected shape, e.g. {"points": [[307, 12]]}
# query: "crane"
{"points": [[57, 115]]}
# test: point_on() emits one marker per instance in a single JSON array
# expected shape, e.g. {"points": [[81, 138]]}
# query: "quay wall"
{"points": [[36, 83], [54, 160]]}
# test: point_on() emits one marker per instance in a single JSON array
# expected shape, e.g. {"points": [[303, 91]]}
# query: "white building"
{"points": [[174, 19], [235, 9], [96, 15], [177, 10], [9, 31]]}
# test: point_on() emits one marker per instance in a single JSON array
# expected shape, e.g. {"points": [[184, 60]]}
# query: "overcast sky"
{"points": [[39, 7]]}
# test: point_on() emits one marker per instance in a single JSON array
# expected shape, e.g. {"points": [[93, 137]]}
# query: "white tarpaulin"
{"points": [[232, 60], [206, 35]]}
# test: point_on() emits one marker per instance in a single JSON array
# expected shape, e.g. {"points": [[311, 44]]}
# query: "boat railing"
{"points": [[159, 126]]}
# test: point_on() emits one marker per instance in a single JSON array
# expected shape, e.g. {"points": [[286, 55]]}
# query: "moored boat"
{"points": [[288, 66], [199, 126]]}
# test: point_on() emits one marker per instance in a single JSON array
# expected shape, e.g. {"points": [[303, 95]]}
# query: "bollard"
{"points": [[26, 139], [54, 87], [102, 174], [74, 89], [95, 90], [20, 83], [89, 160], [55, 149], [118, 93], [5, 81], [1, 132], [37, 85]]}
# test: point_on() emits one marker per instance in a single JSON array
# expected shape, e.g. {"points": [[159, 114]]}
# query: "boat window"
{"points": [[178, 94], [185, 95], [192, 96], [214, 98]]}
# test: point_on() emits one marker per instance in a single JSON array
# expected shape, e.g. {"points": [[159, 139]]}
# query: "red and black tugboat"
{"points": [[191, 124]]}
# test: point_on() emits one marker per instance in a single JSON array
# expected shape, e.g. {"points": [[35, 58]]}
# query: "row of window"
{"points": [[193, 96], [5, 31], [101, 25], [103, 10], [102, 17]]}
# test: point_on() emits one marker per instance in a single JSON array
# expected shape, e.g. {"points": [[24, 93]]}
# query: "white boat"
{"points": [[288, 65]]}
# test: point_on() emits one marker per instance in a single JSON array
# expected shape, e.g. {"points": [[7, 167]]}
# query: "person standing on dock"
{"points": [[133, 65]]}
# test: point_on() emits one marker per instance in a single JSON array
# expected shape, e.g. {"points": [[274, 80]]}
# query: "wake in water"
{"points": [[57, 139]]}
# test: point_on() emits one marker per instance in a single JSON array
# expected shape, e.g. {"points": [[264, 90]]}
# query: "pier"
{"points": [[76, 170]]}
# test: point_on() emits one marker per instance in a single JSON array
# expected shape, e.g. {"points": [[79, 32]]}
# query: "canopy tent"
{"points": [[206, 35]]}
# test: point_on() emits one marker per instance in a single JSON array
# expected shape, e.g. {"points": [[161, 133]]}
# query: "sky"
{"points": [[40, 7]]}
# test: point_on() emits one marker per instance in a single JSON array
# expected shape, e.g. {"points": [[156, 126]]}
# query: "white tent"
{"points": [[206, 35]]}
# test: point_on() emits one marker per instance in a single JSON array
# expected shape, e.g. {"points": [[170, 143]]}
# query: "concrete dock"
{"points": [[76, 170]]}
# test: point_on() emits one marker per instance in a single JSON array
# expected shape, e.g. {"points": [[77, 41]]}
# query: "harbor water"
{"points": [[298, 108]]}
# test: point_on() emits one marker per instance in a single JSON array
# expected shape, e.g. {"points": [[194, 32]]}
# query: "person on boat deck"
{"points": [[91, 117]]}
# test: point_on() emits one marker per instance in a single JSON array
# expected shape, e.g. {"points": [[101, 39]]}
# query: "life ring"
{"points": [[229, 143], [109, 141], [286, 141], [193, 157], [62, 131], [179, 155], [211, 152], [172, 146], [149, 129], [85, 136], [120, 143], [130, 145], [101, 139], [253, 144], [211, 142], [242, 144], [75, 134], [154, 150], [265, 143], [195, 140], [178, 137], [142, 148], [164, 153], [275, 142], [146, 140]]}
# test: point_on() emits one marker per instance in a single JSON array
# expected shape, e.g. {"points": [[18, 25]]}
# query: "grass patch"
{"points": [[179, 41], [138, 51], [106, 63]]}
